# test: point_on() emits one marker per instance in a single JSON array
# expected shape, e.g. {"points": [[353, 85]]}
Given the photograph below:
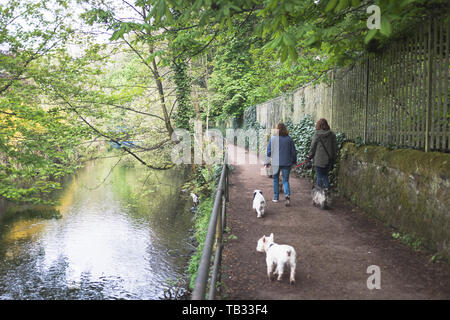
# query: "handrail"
{"points": [[215, 223]]}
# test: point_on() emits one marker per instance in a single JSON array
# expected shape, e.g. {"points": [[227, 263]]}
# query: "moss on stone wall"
{"points": [[407, 189]]}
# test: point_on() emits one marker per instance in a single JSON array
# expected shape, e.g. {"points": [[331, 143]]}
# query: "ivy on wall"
{"points": [[185, 110], [302, 133]]}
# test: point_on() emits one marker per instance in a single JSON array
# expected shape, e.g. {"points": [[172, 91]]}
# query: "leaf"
{"points": [[405, 3], [226, 11], [284, 54], [284, 21], [331, 4], [343, 4], [386, 28], [293, 55], [288, 40], [356, 3], [273, 43], [309, 42], [369, 36], [116, 35]]}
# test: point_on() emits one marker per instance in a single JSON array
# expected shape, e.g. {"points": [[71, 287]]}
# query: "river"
{"points": [[115, 239]]}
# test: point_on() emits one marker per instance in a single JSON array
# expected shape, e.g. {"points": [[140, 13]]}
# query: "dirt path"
{"points": [[334, 249]]}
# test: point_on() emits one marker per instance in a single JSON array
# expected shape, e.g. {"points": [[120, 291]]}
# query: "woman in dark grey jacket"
{"points": [[323, 151]]}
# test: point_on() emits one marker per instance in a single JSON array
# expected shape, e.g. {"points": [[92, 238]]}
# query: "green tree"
{"points": [[37, 139], [338, 27]]}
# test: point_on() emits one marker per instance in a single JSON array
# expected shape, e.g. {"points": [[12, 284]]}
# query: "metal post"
{"points": [[217, 256], [224, 211]]}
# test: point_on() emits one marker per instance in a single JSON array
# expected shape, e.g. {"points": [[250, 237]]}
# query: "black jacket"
{"points": [[318, 153]]}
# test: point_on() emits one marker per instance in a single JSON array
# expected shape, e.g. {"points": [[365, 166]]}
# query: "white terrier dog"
{"points": [[277, 255], [194, 199], [320, 197], [259, 203]]}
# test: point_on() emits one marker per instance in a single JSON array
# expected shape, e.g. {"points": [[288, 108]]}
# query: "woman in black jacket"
{"points": [[323, 151]]}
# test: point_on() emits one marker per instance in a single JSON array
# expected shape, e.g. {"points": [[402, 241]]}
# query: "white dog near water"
{"points": [[259, 203], [194, 199], [277, 255]]}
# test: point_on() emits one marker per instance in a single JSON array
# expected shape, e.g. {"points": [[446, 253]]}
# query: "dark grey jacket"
{"points": [[318, 152]]}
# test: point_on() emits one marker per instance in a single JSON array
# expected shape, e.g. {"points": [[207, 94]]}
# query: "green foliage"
{"points": [[245, 74], [333, 176], [250, 120], [410, 240], [38, 212], [337, 27], [302, 133], [39, 141], [246, 40], [204, 185], [359, 141], [229, 80], [201, 223], [185, 110]]}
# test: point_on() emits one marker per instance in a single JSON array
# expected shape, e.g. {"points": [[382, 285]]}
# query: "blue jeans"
{"points": [[322, 176], [276, 182]]}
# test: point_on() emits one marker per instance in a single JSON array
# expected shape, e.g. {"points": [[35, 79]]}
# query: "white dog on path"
{"points": [[259, 203], [277, 255]]}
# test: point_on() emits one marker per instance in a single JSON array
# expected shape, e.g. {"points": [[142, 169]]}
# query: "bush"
{"points": [[302, 134]]}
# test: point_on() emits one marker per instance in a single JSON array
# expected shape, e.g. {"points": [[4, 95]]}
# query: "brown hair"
{"points": [[282, 130], [322, 124]]}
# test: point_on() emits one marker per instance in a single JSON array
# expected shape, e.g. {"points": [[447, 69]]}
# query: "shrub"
{"points": [[302, 134]]}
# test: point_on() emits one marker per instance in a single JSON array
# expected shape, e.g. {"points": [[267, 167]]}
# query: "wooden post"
{"points": [[367, 100], [332, 97], [429, 89]]}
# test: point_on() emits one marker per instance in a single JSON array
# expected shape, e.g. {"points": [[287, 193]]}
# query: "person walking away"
{"points": [[282, 151], [323, 151]]}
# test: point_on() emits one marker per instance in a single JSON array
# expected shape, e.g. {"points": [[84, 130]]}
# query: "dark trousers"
{"points": [[322, 177]]}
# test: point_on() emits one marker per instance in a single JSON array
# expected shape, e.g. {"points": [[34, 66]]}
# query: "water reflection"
{"points": [[119, 239]]}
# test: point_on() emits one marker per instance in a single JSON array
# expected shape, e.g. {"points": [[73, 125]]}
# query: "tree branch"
{"points": [[115, 140]]}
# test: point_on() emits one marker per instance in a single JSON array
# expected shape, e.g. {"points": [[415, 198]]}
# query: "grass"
{"points": [[410, 240], [201, 222]]}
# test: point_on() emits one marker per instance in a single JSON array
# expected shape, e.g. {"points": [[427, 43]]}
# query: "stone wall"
{"points": [[406, 189], [313, 100]]}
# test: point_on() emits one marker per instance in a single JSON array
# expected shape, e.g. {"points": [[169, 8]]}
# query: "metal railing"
{"points": [[217, 224]]}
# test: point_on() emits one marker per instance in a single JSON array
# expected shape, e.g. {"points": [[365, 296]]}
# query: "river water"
{"points": [[115, 240]]}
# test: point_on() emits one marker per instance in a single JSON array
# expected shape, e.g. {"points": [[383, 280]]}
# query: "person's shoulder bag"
{"points": [[330, 165]]}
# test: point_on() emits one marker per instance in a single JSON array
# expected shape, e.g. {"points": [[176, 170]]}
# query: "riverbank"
{"points": [[3, 207], [203, 184]]}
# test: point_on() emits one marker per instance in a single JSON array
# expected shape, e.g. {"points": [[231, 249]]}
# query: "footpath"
{"points": [[334, 248]]}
